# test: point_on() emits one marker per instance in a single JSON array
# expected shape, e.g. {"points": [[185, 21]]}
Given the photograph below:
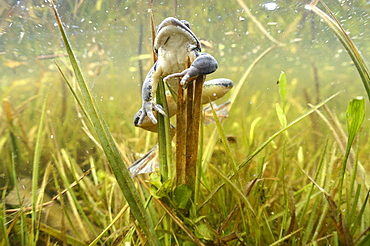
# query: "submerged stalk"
{"points": [[187, 130], [193, 131], [180, 137]]}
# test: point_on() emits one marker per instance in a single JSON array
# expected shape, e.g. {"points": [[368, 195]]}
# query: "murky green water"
{"points": [[108, 36], [112, 41]]}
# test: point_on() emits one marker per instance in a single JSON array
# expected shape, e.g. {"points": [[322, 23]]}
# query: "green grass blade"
{"points": [[98, 238], [365, 241], [116, 162], [353, 207], [281, 240], [75, 95], [358, 220], [222, 134], [3, 234], [164, 135], [23, 224], [35, 173], [312, 221]]}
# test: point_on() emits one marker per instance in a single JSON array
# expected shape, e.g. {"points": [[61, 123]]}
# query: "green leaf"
{"points": [[281, 115], [355, 116], [182, 195], [161, 191], [204, 232], [282, 88]]}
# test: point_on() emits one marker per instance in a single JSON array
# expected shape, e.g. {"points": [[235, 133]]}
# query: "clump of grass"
{"points": [[109, 146]]}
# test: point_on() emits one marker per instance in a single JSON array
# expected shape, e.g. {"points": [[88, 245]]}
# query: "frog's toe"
{"points": [[159, 109], [138, 118], [192, 73], [147, 109], [174, 75]]}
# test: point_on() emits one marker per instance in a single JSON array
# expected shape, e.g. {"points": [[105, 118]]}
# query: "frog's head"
{"points": [[172, 27]]}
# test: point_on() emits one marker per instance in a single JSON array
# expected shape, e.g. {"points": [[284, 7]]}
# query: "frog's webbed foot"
{"points": [[222, 111], [147, 110], [146, 164], [202, 65]]}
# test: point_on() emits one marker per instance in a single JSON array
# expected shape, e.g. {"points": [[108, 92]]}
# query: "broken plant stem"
{"points": [[193, 131], [187, 130], [180, 137]]}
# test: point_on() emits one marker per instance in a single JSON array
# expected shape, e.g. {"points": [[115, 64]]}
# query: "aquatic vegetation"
{"points": [[286, 167]]}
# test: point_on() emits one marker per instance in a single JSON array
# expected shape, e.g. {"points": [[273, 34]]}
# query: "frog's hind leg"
{"points": [[146, 164], [150, 161]]}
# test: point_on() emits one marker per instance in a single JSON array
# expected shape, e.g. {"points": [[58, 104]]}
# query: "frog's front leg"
{"points": [[202, 65], [149, 106]]}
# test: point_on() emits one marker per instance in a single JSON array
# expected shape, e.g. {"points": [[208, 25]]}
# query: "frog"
{"points": [[176, 46]]}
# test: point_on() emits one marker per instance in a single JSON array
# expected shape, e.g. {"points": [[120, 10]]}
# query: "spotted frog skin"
{"points": [[176, 45]]}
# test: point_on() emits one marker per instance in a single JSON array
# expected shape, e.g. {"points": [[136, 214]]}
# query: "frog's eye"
{"points": [[186, 23]]}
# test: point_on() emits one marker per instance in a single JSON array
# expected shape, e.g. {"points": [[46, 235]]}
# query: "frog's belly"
{"points": [[174, 58], [172, 63]]}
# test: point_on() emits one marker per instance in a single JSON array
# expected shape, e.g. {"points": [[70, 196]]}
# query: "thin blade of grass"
{"points": [[75, 95], [353, 207], [281, 240], [110, 149], [23, 226], [241, 195], [58, 234], [222, 134], [3, 234], [97, 239], [361, 213], [35, 174]]}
